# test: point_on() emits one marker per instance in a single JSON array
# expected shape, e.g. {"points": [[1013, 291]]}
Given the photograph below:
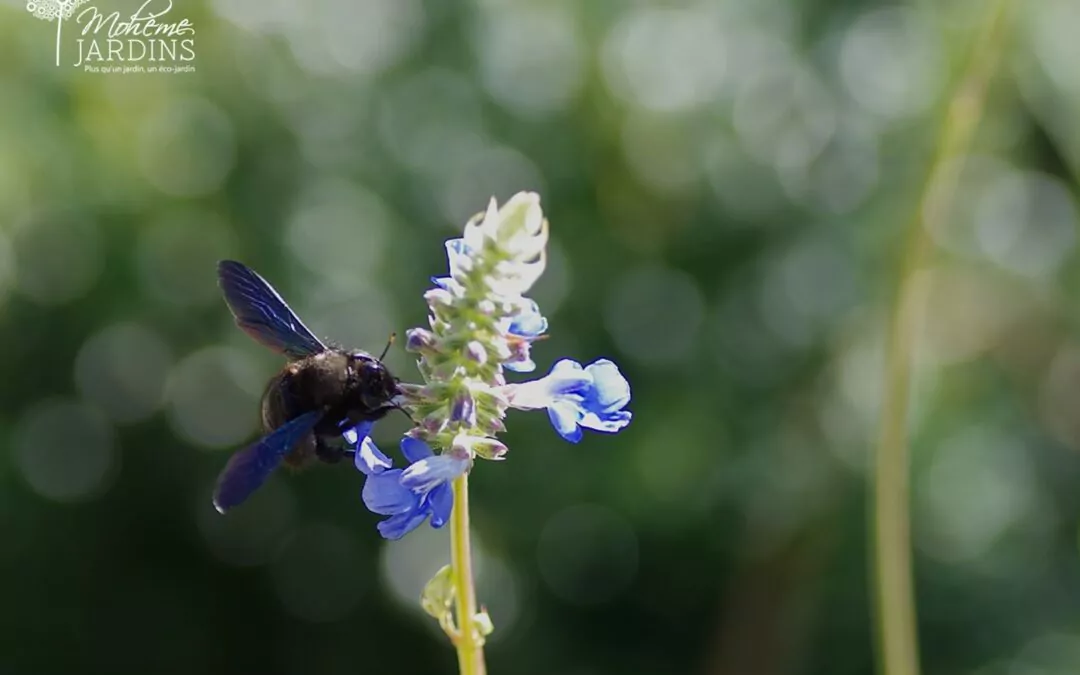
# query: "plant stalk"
{"points": [[469, 642], [898, 639]]}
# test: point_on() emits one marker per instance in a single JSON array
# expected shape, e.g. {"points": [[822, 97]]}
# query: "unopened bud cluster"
{"points": [[479, 323]]}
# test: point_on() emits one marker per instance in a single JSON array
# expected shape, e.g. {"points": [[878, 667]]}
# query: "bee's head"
{"points": [[377, 385]]}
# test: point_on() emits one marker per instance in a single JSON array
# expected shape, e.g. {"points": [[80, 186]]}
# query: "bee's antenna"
{"points": [[393, 336]]}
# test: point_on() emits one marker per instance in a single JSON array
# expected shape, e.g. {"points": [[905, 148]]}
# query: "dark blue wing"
{"points": [[249, 468], [263, 314]]}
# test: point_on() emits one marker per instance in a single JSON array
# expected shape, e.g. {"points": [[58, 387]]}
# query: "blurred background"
{"points": [[728, 185]]}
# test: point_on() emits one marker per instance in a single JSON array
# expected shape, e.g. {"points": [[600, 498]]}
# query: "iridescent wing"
{"points": [[249, 468], [263, 314]]}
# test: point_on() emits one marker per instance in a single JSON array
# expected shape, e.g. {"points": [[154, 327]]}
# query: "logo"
{"points": [[148, 41]]}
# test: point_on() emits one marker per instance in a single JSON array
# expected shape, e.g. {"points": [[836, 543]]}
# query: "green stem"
{"points": [[59, 25], [469, 642], [898, 641]]}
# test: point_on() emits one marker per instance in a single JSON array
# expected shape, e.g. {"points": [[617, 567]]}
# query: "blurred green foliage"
{"points": [[727, 184]]}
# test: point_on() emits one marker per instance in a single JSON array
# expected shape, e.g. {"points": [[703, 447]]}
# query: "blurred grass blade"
{"points": [[898, 641]]}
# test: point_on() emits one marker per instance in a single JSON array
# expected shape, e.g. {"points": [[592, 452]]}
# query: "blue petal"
{"points": [[384, 494], [457, 253], [564, 417], [369, 459], [354, 433], [566, 364], [440, 502], [415, 449], [433, 471], [530, 322], [398, 526], [610, 390], [457, 246], [567, 383], [563, 380], [608, 423]]}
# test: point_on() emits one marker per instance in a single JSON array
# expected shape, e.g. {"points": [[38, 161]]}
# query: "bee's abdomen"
{"points": [[316, 382], [277, 408], [279, 405]]}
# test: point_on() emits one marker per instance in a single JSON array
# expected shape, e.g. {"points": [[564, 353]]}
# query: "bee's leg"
{"points": [[302, 452], [403, 411], [374, 414], [328, 452], [383, 410]]}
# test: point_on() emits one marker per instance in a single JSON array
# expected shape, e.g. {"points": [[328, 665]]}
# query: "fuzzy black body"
{"points": [[342, 385]]}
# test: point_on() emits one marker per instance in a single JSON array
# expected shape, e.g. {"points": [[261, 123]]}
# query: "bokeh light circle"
{"points": [[979, 487], [891, 62], [356, 318], [804, 289], [210, 400], [784, 116], [320, 574], [484, 171], [666, 60], [252, 535], [176, 256], [1052, 39], [407, 564], [531, 58], [744, 186], [664, 155], [427, 119], [363, 38], [587, 554], [65, 450], [337, 229], [1026, 222], [123, 369], [58, 257], [654, 315], [187, 148]]}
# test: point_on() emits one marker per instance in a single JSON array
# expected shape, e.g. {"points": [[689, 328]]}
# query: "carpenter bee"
{"points": [[322, 390]]}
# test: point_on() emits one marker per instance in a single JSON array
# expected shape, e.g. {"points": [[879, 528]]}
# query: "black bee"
{"points": [[308, 404]]}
